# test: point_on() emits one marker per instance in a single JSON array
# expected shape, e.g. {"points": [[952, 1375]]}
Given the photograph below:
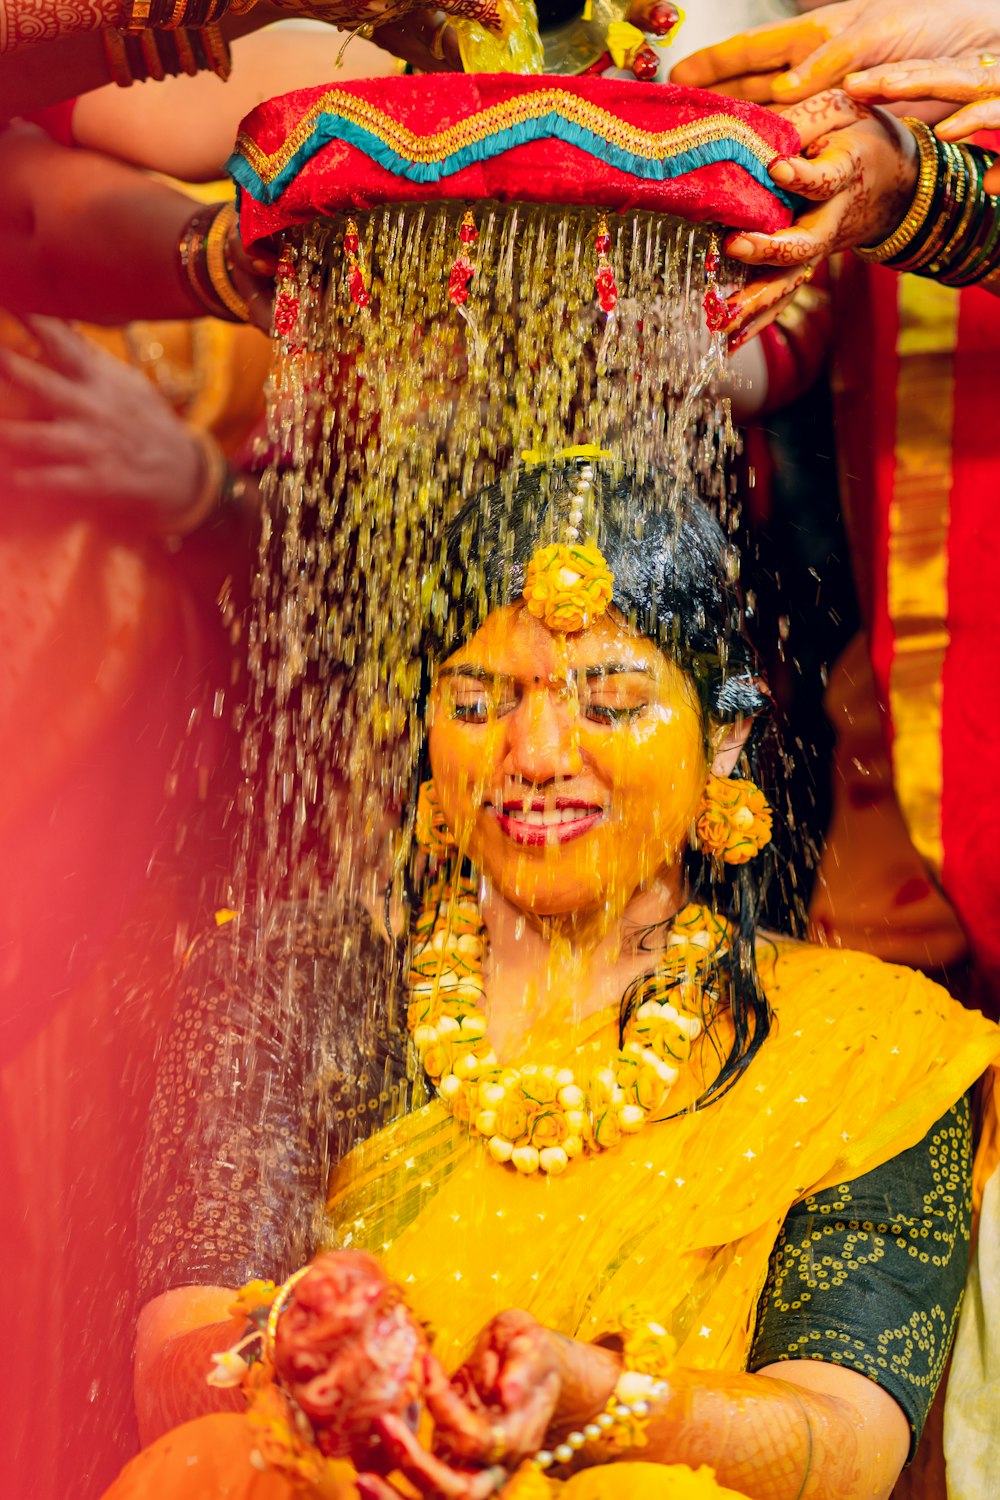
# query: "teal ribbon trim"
{"points": [[553, 126]]}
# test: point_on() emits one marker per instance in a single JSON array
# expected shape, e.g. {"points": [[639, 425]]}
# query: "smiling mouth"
{"points": [[536, 823]]}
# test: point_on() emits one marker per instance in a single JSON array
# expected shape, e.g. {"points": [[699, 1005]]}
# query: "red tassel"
{"points": [[360, 295], [286, 303], [604, 281], [463, 270], [713, 303]]}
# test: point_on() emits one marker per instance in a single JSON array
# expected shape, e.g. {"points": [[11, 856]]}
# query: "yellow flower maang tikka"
{"points": [[568, 584]]}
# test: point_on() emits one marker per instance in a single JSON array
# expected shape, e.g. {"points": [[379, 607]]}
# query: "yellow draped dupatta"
{"points": [[863, 1057]]}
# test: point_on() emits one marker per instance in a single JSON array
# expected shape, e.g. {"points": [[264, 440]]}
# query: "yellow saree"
{"points": [[862, 1059]]}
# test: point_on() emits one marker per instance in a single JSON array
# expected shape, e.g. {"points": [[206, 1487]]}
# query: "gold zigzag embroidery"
{"points": [[427, 149]]}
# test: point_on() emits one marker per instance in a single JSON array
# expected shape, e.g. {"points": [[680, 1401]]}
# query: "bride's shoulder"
{"points": [[787, 964]]}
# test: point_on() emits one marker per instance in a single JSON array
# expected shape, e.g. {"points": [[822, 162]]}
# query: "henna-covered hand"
{"points": [[858, 168], [513, 1376], [787, 61]]}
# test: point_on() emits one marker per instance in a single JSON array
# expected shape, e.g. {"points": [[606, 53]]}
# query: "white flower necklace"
{"points": [[540, 1118]]}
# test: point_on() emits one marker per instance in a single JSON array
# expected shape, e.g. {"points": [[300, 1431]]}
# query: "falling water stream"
{"points": [[382, 420]]}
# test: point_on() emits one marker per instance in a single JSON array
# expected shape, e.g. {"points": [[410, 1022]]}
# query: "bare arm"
{"points": [[85, 237], [186, 126], [801, 1427]]}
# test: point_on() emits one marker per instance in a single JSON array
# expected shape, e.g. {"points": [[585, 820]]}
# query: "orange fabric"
{"points": [[210, 1456]]}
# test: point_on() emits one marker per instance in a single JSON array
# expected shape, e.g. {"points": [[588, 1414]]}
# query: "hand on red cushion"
{"points": [[859, 169], [357, 1363]]}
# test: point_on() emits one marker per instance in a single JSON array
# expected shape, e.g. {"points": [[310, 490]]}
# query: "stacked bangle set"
{"points": [[203, 266], [951, 231], [163, 38]]}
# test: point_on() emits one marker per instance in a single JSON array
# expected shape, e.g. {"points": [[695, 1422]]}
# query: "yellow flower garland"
{"points": [[540, 1118]]}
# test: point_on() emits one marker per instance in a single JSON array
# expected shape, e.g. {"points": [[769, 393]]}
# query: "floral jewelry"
{"points": [[539, 1118], [568, 586], [648, 1354], [432, 832], [733, 822]]}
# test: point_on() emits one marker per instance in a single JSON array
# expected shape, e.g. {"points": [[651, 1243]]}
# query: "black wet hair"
{"points": [[675, 575]]}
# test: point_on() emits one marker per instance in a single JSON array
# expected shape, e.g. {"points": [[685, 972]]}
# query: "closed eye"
{"points": [[608, 713]]}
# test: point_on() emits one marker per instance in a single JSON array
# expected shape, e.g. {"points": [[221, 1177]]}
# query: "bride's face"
{"points": [[568, 767]]}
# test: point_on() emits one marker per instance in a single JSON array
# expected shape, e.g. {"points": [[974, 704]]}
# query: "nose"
{"points": [[543, 737]]}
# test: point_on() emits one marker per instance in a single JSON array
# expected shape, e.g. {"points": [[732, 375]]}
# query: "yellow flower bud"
{"points": [[525, 1159], [500, 1149], [553, 1159], [571, 1096]]}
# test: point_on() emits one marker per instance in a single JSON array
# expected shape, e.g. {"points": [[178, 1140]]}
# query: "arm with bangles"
{"points": [[89, 238], [25, 24], [794, 1428], [68, 65]]}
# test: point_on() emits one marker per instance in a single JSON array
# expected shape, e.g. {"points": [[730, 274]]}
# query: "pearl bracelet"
{"points": [[629, 1404]]}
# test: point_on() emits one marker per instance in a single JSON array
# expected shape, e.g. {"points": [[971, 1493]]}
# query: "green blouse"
{"points": [[869, 1274]]}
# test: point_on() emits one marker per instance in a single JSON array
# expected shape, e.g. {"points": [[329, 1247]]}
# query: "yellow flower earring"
{"points": [[733, 821], [432, 832]]}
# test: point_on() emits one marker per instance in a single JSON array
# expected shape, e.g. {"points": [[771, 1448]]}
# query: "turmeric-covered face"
{"points": [[568, 767]]}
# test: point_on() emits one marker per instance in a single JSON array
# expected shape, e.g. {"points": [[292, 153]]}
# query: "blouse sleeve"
{"points": [[869, 1274], [275, 1062]]}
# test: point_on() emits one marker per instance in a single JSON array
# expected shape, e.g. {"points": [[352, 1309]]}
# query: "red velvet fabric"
{"points": [[339, 177]]}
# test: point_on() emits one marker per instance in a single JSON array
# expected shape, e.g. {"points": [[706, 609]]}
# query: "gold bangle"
{"points": [[281, 1296], [177, 15], [215, 471], [919, 208], [939, 236], [151, 56], [215, 263], [114, 51], [216, 50], [954, 242], [185, 52], [135, 15]]}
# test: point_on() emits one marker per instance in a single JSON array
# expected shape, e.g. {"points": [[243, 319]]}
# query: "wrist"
{"points": [[208, 494], [202, 265], [588, 1375]]}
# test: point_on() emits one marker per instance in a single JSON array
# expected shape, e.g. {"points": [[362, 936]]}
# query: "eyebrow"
{"points": [[618, 669], [598, 669]]}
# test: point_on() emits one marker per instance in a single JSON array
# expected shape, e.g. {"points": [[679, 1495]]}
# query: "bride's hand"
{"points": [[859, 169], [514, 1377]]}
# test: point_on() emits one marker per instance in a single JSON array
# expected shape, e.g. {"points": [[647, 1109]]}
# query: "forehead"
{"points": [[513, 643]]}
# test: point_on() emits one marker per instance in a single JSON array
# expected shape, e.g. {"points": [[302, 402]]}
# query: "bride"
{"points": [[607, 1185]]}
